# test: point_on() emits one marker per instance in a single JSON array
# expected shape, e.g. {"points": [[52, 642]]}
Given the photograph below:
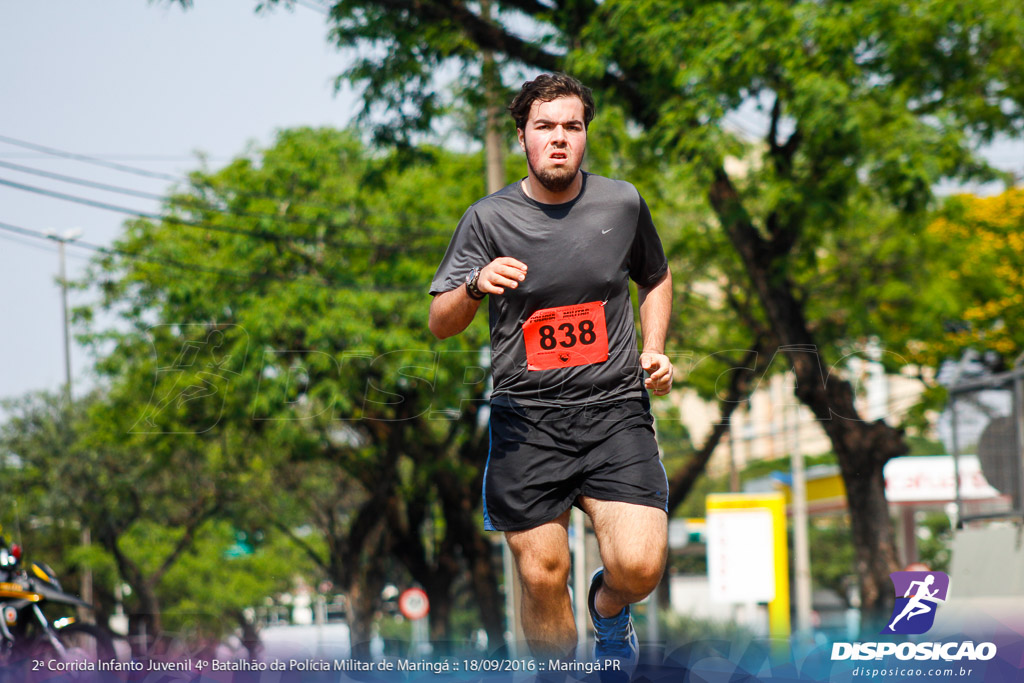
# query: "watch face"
{"points": [[471, 285]]}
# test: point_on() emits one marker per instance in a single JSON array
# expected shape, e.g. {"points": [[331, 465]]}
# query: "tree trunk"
{"points": [[146, 623], [362, 608], [494, 141], [740, 386], [362, 574], [460, 502], [862, 448], [484, 577], [364, 596], [439, 593], [250, 635]]}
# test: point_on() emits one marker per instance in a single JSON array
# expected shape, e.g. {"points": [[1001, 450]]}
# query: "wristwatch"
{"points": [[471, 289]]}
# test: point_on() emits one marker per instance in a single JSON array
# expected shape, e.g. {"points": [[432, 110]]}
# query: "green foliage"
{"points": [[204, 594], [860, 110], [693, 562], [934, 539], [317, 312], [923, 446], [832, 554], [864, 108], [695, 504], [396, 631], [141, 503], [294, 377], [673, 437], [328, 251]]}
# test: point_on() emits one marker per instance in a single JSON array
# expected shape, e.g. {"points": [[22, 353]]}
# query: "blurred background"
{"points": [[226, 425]]}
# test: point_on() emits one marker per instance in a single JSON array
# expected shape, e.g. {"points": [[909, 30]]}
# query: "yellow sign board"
{"points": [[760, 518]]}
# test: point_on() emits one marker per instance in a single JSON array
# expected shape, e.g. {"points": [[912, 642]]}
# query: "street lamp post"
{"points": [[61, 240]]}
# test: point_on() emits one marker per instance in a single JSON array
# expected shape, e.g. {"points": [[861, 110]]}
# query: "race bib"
{"points": [[566, 336]]}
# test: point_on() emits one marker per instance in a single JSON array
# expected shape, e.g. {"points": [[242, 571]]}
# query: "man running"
{"points": [[919, 594], [570, 417]]}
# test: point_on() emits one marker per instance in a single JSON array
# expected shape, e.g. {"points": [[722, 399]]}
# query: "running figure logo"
{"points": [[917, 596]]}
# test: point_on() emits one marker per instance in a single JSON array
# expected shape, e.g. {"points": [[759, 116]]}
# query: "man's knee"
{"points": [[543, 574], [636, 576]]}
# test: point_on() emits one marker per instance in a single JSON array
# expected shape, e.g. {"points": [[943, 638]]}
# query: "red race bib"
{"points": [[566, 336]]}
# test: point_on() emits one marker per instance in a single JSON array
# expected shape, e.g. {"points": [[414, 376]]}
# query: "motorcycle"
{"points": [[26, 633]]}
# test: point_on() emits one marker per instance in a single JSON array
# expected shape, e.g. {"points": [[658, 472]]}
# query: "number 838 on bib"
{"points": [[566, 336]]}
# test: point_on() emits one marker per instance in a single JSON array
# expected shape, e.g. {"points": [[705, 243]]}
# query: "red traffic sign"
{"points": [[413, 604]]}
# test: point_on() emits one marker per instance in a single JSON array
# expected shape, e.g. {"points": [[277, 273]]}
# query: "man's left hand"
{"points": [[660, 369]]}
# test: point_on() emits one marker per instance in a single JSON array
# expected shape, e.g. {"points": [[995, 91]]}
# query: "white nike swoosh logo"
{"points": [[605, 232]]}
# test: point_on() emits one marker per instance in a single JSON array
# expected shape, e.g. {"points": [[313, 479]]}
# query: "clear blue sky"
{"points": [[144, 84]]}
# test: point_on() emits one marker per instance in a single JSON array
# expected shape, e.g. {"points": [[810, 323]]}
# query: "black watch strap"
{"points": [[471, 285]]}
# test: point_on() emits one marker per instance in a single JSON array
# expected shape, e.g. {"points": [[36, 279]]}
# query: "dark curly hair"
{"points": [[545, 88]]}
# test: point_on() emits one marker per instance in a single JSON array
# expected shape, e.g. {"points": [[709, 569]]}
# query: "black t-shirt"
{"points": [[579, 252]]}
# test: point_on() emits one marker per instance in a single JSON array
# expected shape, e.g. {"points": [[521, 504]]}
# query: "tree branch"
{"points": [[754, 362], [303, 545], [527, 7], [773, 127], [479, 30], [781, 154], [725, 200], [184, 542]]}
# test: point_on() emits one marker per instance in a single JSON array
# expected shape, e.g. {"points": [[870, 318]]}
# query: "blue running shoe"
{"points": [[615, 636]]}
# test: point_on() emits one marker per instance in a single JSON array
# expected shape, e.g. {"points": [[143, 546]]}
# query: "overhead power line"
{"points": [[319, 9], [233, 230], [141, 157], [197, 268], [195, 203], [233, 192], [120, 252], [140, 214], [141, 194], [49, 248], [88, 159]]}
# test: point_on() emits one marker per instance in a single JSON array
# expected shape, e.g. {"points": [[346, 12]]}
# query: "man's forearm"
{"points": [[451, 312], [655, 311]]}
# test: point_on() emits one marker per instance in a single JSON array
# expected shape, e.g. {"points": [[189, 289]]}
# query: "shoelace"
{"points": [[615, 635]]}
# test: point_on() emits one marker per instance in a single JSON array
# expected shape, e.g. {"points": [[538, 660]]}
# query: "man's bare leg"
{"points": [[633, 540], [543, 562]]}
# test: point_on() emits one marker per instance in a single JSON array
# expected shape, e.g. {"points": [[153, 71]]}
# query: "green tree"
{"points": [[39, 514], [213, 590], [865, 108], [281, 305], [96, 476]]}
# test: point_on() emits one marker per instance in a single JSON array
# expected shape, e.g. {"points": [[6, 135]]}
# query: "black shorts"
{"points": [[542, 459]]}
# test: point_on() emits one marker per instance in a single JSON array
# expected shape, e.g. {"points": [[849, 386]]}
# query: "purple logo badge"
{"points": [[918, 595]]}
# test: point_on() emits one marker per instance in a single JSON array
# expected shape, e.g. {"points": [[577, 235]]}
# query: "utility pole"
{"points": [[494, 155], [61, 240], [494, 142], [734, 470], [801, 544]]}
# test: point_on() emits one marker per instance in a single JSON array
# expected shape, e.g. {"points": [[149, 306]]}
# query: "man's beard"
{"points": [[555, 179]]}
